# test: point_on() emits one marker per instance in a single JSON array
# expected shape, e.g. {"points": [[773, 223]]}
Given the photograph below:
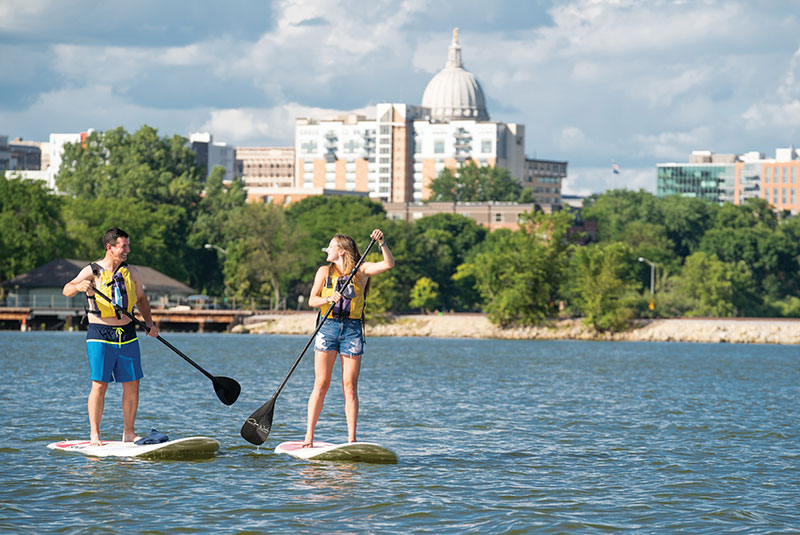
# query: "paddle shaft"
{"points": [[147, 329], [325, 317]]}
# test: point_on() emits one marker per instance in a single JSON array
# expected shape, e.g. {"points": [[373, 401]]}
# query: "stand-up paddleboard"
{"points": [[364, 452], [190, 447]]}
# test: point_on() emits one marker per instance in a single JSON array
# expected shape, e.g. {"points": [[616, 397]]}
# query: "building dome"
{"points": [[454, 93]]}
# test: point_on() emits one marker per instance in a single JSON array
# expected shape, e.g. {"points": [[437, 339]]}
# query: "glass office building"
{"points": [[710, 181]]}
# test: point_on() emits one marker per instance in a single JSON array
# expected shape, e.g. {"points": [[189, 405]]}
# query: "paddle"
{"points": [[257, 427], [227, 389]]}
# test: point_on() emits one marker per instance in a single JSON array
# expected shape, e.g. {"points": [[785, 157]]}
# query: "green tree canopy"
{"points": [[475, 184], [33, 231], [261, 247], [425, 294], [718, 288], [519, 273], [157, 231], [603, 284], [219, 204], [141, 166]]}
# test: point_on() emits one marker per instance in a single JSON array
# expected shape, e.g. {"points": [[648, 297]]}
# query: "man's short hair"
{"points": [[112, 235]]}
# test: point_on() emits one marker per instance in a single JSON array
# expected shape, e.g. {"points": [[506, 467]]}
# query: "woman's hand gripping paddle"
{"points": [[227, 389], [257, 427]]}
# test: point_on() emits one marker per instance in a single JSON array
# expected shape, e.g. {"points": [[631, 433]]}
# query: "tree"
{"points": [[518, 273], [33, 230], [139, 166], [719, 289], [686, 219], [157, 231], [603, 284], [219, 204], [447, 240], [475, 184], [261, 246], [424, 294], [614, 210]]}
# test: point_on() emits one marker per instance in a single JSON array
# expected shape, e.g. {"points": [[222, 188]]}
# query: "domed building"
{"points": [[454, 93], [395, 156]]}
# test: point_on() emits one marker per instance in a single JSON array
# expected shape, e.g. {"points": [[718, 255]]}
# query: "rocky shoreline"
{"points": [[708, 330]]}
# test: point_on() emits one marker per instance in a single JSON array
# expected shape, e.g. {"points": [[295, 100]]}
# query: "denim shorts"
{"points": [[342, 335]]}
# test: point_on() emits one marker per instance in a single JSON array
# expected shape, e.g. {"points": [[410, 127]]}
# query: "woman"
{"points": [[342, 333]]}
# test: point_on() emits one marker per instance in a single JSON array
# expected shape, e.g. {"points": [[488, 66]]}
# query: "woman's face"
{"points": [[334, 251]]}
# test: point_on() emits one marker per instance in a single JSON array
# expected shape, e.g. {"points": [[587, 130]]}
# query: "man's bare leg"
{"points": [[130, 404], [97, 401]]}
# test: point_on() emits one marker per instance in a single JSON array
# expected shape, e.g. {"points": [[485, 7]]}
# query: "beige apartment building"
{"points": [[265, 171], [395, 155]]}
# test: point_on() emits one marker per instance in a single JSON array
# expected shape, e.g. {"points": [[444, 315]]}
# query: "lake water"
{"points": [[493, 437]]}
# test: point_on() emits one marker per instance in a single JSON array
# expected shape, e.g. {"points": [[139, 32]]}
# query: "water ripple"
{"points": [[493, 436]]}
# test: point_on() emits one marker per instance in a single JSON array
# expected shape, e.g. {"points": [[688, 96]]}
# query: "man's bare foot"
{"points": [[128, 438]]}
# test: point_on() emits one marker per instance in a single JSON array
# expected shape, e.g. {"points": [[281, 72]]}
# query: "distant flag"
{"points": [[615, 167]]}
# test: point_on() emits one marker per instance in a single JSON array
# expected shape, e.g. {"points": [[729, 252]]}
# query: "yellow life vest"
{"points": [[117, 286], [351, 305]]}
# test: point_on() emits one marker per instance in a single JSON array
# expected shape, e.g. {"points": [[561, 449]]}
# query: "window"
{"points": [[386, 150], [386, 130], [498, 218], [438, 146], [486, 146], [384, 160], [383, 170]]}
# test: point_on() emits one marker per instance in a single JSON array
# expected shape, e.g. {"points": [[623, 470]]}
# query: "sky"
{"points": [[595, 82]]}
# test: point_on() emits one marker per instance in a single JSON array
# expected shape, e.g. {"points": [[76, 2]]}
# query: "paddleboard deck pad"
{"points": [[190, 447], [364, 452]]}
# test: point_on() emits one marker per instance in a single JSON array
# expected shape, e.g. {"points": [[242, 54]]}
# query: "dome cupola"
{"points": [[454, 93]]}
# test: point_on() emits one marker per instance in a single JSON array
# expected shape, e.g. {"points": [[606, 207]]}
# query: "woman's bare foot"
{"points": [[308, 443], [95, 441]]}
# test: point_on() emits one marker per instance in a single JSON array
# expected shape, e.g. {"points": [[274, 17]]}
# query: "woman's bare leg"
{"points": [[323, 369], [351, 367]]}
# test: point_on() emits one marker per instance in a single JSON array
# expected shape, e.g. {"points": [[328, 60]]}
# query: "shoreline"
{"points": [[702, 330]]}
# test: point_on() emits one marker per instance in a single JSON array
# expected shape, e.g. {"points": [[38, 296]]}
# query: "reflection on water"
{"points": [[493, 437]]}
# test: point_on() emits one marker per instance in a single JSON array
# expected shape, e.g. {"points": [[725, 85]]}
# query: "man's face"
{"points": [[119, 251]]}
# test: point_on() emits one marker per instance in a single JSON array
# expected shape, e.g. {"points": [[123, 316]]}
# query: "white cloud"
{"points": [[642, 82], [266, 126], [675, 146], [781, 109], [584, 181]]}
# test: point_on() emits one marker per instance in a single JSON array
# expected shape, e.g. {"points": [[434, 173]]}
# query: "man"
{"points": [[111, 341]]}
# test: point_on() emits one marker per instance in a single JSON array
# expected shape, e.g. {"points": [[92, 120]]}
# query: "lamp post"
{"points": [[217, 247], [652, 280]]}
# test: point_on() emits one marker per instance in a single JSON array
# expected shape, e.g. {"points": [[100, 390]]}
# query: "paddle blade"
{"points": [[256, 429], [227, 389]]}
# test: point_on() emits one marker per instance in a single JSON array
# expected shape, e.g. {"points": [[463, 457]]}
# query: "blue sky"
{"points": [[594, 81]]}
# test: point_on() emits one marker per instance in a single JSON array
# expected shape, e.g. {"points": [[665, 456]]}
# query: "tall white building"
{"points": [[396, 155]]}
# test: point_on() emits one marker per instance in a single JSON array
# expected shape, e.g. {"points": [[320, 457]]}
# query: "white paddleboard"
{"points": [[365, 452], [172, 449]]}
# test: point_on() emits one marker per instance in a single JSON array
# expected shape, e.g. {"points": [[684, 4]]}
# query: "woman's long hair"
{"points": [[351, 256]]}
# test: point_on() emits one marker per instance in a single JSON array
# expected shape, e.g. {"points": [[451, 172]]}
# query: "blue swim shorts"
{"points": [[342, 335], [113, 353]]}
